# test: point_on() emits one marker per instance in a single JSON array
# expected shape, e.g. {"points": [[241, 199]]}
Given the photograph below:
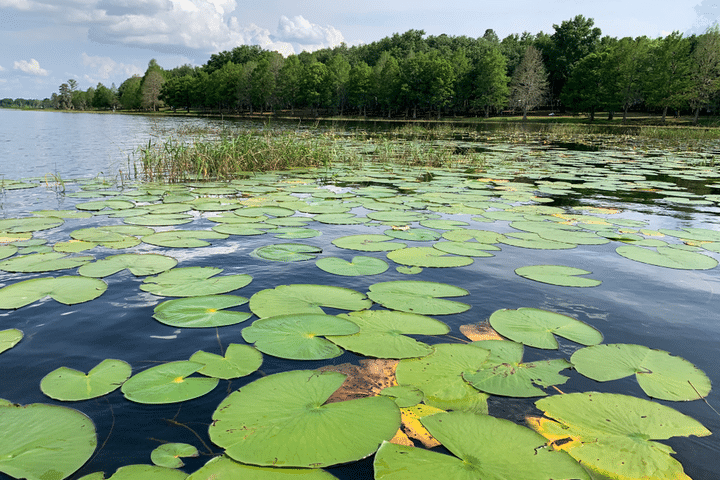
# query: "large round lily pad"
{"points": [[427, 257], [138, 264], [484, 447], [558, 275], [68, 384], [594, 428], [659, 374], [43, 262], [183, 238], [668, 257], [536, 327], [419, 297], [193, 282], [200, 312], [300, 298], [360, 265], [68, 290], [368, 243], [44, 442], [168, 383], [238, 361], [226, 467], [297, 336], [283, 420], [288, 252], [29, 224]]}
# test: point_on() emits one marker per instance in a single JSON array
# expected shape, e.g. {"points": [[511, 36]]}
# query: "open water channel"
{"points": [[670, 309]]}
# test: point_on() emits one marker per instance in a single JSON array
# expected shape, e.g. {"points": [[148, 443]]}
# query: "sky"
{"points": [[43, 43]]}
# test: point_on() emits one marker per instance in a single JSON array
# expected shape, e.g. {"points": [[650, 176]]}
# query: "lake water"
{"points": [[662, 308]]}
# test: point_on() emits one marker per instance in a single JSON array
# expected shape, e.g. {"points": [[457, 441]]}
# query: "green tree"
{"points": [[529, 84], [625, 73], [263, 84], [64, 100], [151, 86], [289, 81], [102, 100], [386, 75], [360, 86], [314, 86], [490, 80], [584, 89], [666, 84], [704, 71], [338, 76]]}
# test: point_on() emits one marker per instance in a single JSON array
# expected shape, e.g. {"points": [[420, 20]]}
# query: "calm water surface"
{"points": [[672, 310]]}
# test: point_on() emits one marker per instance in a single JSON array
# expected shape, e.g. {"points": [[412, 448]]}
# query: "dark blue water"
{"points": [[672, 310]]}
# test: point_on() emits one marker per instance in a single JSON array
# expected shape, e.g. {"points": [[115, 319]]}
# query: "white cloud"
{"points": [[31, 68], [1, 68], [106, 67], [301, 31]]}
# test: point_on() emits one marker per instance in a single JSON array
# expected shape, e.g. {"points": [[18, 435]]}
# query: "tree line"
{"points": [[412, 75]]}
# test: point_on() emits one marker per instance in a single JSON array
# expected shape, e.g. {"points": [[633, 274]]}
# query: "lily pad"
{"points": [[168, 383], [68, 290], [297, 336], [43, 262], [96, 206], [537, 328], [138, 264], [534, 241], [7, 251], [69, 385], [359, 265], [404, 395], [668, 257], [595, 427], [29, 224], [147, 472], [225, 467], [288, 252], [659, 374], [283, 420], [168, 455], [238, 361], [468, 249], [484, 447], [44, 441], [382, 334], [9, 338], [427, 257], [414, 234], [558, 275], [420, 297], [183, 238], [300, 298], [159, 220], [201, 312], [114, 236], [368, 243], [193, 282]]}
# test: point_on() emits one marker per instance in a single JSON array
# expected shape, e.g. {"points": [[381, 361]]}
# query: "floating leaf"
{"points": [[74, 246], [358, 266], [408, 270], [503, 374], [138, 264], [367, 379], [536, 328], [368, 243], [480, 331], [468, 249], [404, 395], [427, 257], [183, 238], [418, 297], [297, 336], [466, 234], [168, 455], [96, 206], [484, 447], [225, 467], [558, 275], [147, 472], [413, 428], [288, 252], [659, 374], [239, 361], [295, 232], [68, 290], [29, 224], [595, 427], [668, 257], [414, 234], [382, 334], [114, 236], [168, 383], [287, 299], [43, 262], [260, 423], [7, 251], [9, 338], [534, 241], [200, 312], [193, 282], [159, 220], [41, 442], [439, 376], [69, 385]]}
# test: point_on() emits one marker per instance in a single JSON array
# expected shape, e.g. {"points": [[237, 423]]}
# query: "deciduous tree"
{"points": [[529, 85]]}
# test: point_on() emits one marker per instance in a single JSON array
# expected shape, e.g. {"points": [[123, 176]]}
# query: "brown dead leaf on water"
{"points": [[364, 380], [480, 331]]}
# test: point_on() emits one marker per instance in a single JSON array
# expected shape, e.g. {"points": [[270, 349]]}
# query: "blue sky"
{"points": [[43, 43]]}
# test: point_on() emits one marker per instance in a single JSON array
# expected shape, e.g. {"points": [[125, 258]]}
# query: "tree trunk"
{"points": [[524, 114], [592, 114], [611, 115], [695, 117], [625, 110], [664, 115]]}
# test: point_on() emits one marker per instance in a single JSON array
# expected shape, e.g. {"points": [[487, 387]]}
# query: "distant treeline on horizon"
{"points": [[411, 75]]}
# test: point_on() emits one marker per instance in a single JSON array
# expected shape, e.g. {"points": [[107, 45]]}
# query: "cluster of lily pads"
{"points": [[431, 394]]}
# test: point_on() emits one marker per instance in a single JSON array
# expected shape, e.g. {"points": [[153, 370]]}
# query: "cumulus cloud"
{"points": [[31, 68], [301, 31], [106, 67], [1, 68]]}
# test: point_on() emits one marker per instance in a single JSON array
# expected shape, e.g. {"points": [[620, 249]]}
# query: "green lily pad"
{"points": [[534, 241], [593, 427], [443, 224], [62, 214], [44, 441], [368, 243], [146, 472], [96, 206], [159, 220], [239, 361], [43, 262], [245, 229], [504, 374], [408, 270], [29, 224], [295, 232], [414, 234], [9, 338], [659, 374], [138, 264], [193, 282], [287, 299], [168, 383], [467, 234], [114, 236], [7, 251], [468, 249], [69, 385], [537, 328], [484, 447], [74, 246], [183, 238], [359, 265], [558, 275], [427, 257], [68, 290], [340, 219], [288, 252], [259, 423], [266, 210], [404, 395], [225, 467], [168, 455], [201, 312], [668, 257], [439, 376], [419, 297], [382, 334], [297, 336]]}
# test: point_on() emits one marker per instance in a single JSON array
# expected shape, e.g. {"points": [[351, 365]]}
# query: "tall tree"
{"points": [[152, 85], [490, 79], [667, 81], [338, 76], [584, 89], [704, 71], [130, 96], [289, 81], [529, 84], [314, 86], [360, 86], [387, 82]]}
